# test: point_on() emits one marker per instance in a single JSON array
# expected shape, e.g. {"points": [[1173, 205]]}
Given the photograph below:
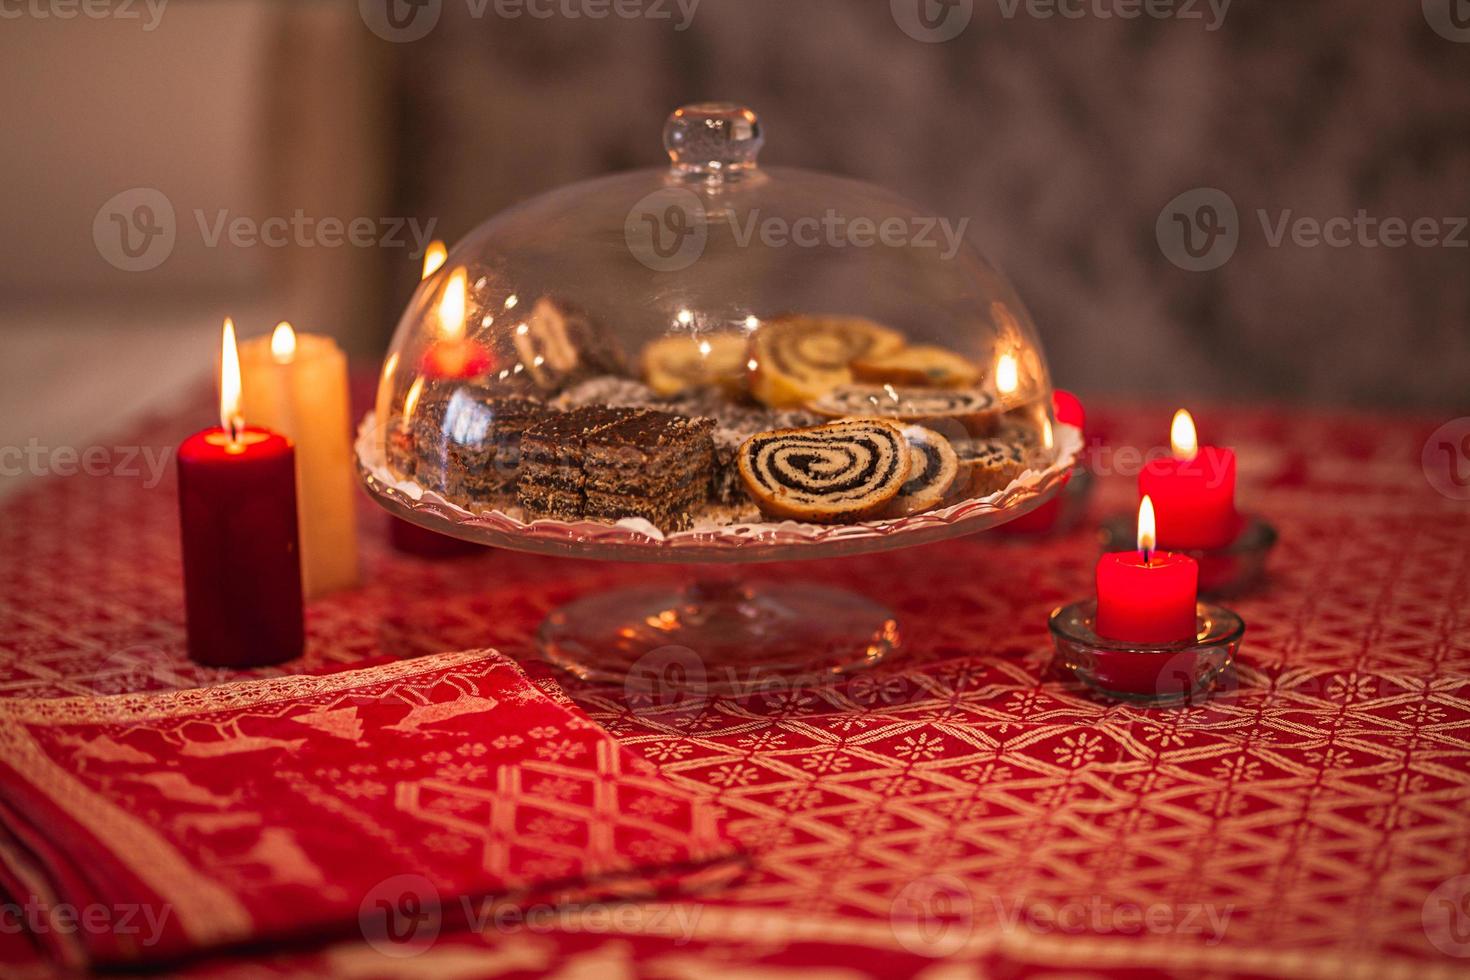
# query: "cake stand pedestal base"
{"points": [[718, 636]]}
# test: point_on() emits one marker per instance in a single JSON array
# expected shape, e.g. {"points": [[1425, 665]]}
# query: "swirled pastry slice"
{"points": [[972, 408], [678, 363], [922, 365], [933, 468], [794, 359], [829, 474], [988, 465]]}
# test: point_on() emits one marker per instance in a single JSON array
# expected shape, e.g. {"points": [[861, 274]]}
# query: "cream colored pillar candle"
{"points": [[296, 384]]}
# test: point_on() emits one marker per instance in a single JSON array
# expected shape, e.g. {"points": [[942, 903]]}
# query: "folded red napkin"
{"points": [[150, 827]]}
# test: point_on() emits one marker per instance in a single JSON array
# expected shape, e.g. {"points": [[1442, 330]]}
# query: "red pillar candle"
{"points": [[1193, 492], [1146, 596], [237, 518]]}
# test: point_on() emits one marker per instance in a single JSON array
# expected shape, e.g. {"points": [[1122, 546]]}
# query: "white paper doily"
{"points": [[635, 539]]}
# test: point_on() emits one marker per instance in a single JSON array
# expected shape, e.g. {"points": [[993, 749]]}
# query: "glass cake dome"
{"points": [[716, 362], [603, 354]]}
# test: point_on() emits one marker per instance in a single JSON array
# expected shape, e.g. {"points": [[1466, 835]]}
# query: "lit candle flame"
{"points": [[452, 305], [1182, 437], [283, 343], [705, 348], [229, 384], [1147, 533], [1048, 438], [434, 257], [1007, 374], [411, 400]]}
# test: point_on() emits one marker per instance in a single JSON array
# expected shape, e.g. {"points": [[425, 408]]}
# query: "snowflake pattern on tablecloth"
{"points": [[1320, 799]]}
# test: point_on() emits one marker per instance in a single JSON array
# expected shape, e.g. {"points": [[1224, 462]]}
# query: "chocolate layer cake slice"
{"points": [[465, 443], [609, 463], [553, 453], [654, 465]]}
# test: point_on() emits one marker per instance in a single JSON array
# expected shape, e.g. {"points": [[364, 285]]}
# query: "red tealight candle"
{"points": [[1194, 492], [1068, 410], [237, 517], [1146, 596], [411, 539], [454, 355]]}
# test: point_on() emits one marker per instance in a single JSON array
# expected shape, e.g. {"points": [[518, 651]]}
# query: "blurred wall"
{"points": [[1063, 139], [184, 154], [96, 107], [135, 135]]}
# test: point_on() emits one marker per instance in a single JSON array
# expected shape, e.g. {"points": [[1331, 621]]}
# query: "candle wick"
{"points": [[1148, 556]]}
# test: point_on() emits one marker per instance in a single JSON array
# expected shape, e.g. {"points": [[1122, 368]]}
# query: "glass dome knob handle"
{"points": [[713, 140]]}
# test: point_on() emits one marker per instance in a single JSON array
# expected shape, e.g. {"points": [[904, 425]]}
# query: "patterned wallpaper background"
{"points": [[1064, 139]]}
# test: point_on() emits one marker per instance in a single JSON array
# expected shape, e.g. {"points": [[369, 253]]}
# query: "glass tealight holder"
{"points": [[1227, 571], [1156, 674]]}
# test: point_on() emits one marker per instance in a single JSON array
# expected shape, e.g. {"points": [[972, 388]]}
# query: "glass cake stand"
{"points": [[724, 632], [789, 297]]}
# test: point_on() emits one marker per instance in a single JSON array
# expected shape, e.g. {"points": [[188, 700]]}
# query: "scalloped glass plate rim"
{"points": [[634, 539]]}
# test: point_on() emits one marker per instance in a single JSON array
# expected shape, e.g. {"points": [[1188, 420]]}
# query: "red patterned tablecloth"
{"points": [[961, 800]]}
